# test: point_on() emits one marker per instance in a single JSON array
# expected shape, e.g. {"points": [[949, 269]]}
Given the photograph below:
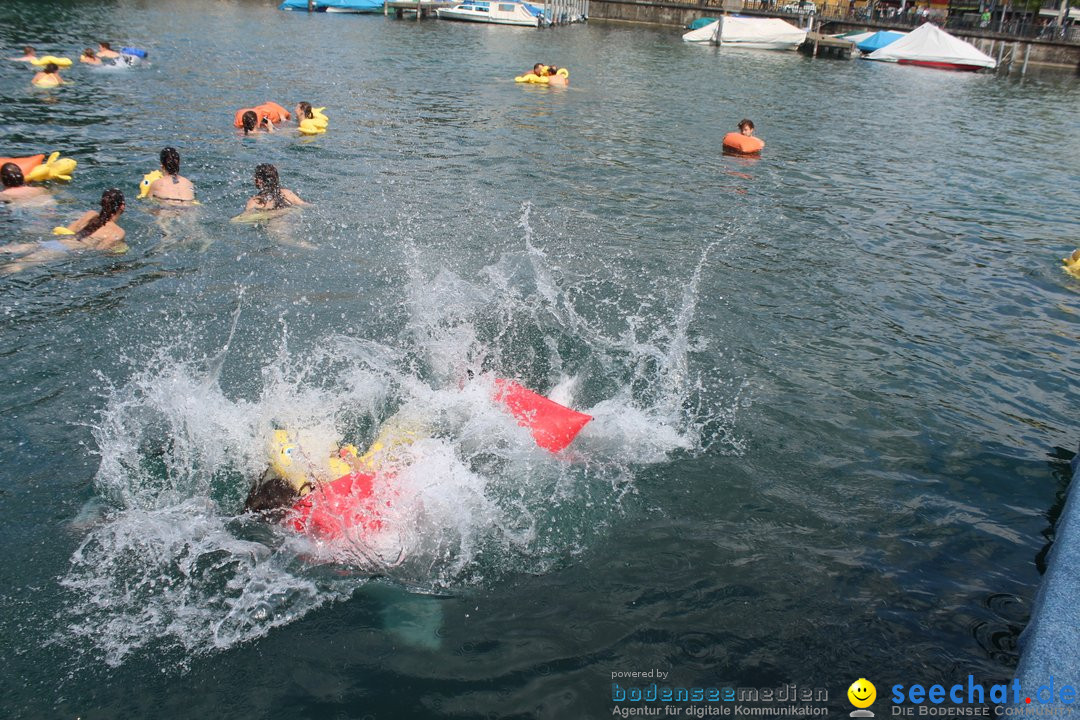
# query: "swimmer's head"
{"points": [[249, 120], [271, 494], [266, 177], [112, 203], [104, 46], [552, 69], [746, 126], [51, 67], [170, 161], [538, 69], [88, 53], [11, 175], [28, 50], [303, 110]]}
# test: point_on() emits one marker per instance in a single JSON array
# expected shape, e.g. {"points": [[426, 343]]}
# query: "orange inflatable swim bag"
{"points": [[26, 164], [267, 111], [742, 144]]}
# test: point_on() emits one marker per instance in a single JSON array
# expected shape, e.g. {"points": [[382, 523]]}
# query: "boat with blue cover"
{"points": [[335, 6]]}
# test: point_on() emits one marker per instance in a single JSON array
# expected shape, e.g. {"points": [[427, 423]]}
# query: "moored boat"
{"points": [[500, 13], [930, 46], [759, 33]]}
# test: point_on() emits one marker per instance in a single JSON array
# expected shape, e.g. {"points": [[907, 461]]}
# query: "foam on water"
{"points": [[172, 562]]}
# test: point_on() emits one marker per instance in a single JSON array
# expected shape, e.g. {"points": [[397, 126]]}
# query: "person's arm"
{"points": [[292, 197], [252, 204], [82, 221]]}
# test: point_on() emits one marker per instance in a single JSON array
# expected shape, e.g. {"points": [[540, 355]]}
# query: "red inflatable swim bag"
{"points": [[553, 426], [332, 508]]}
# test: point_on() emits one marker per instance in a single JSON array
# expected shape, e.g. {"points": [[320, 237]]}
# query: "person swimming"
{"points": [[92, 231], [554, 78], [746, 127], [172, 186], [29, 55], [251, 122], [49, 76], [304, 112], [15, 187], [106, 51], [271, 195], [89, 57]]}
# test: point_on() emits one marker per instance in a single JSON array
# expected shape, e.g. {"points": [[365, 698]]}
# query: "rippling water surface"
{"points": [[834, 388]]}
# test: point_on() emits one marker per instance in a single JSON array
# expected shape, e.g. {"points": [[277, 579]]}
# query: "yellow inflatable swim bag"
{"points": [[315, 125], [58, 61], [147, 180], [55, 168], [1072, 264], [532, 78]]}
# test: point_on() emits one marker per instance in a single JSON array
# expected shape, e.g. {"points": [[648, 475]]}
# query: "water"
{"points": [[834, 389]]}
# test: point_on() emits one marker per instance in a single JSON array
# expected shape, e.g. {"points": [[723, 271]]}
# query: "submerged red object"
{"points": [[553, 426]]}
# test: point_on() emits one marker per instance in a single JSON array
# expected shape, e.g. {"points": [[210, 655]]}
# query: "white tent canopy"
{"points": [[929, 44], [765, 33]]}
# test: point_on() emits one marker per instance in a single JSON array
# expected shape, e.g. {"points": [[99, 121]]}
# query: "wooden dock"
{"points": [[818, 45], [422, 8]]}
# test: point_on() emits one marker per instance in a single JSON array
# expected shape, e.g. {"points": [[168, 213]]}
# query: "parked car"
{"points": [[806, 7]]}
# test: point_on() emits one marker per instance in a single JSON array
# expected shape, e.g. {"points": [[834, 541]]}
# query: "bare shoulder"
{"points": [[292, 197]]}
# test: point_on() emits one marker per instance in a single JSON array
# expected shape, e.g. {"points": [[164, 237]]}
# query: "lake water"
{"points": [[834, 389]]}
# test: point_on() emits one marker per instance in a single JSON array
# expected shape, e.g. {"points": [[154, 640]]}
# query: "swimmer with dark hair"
{"points": [[93, 231], [15, 187], [49, 76], [171, 186], [89, 57], [746, 127], [271, 195], [105, 51], [304, 112], [252, 123]]}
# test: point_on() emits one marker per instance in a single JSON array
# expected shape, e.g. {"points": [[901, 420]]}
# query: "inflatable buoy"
{"points": [[268, 110], [1072, 263], [743, 144], [148, 179], [316, 124], [562, 72], [532, 78], [336, 508], [58, 61], [61, 230], [37, 169], [337, 491], [134, 52], [553, 426], [26, 164]]}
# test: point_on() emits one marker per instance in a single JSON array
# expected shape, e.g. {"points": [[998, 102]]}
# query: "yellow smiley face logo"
{"points": [[862, 693]]}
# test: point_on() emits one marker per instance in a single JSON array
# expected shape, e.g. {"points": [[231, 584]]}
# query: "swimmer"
{"points": [[15, 187], [92, 231], [554, 78], [271, 195], [172, 187], [746, 127], [29, 55], [89, 57], [304, 112], [104, 51], [48, 77], [252, 123]]}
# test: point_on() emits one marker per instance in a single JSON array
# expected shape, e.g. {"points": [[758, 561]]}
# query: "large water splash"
{"points": [[172, 563]]}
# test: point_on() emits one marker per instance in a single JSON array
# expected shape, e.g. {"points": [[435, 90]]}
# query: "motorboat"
{"points": [[334, 6], [500, 13], [750, 32], [930, 46]]}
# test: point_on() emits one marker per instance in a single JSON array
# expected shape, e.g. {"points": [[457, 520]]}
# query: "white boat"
{"points": [[500, 13], [930, 46], [751, 32]]}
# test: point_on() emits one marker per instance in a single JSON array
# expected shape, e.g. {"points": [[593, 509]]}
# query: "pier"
{"points": [[818, 45], [422, 8]]}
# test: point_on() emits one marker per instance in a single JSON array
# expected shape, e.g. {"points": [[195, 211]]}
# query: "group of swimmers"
{"points": [[49, 75], [98, 230]]}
